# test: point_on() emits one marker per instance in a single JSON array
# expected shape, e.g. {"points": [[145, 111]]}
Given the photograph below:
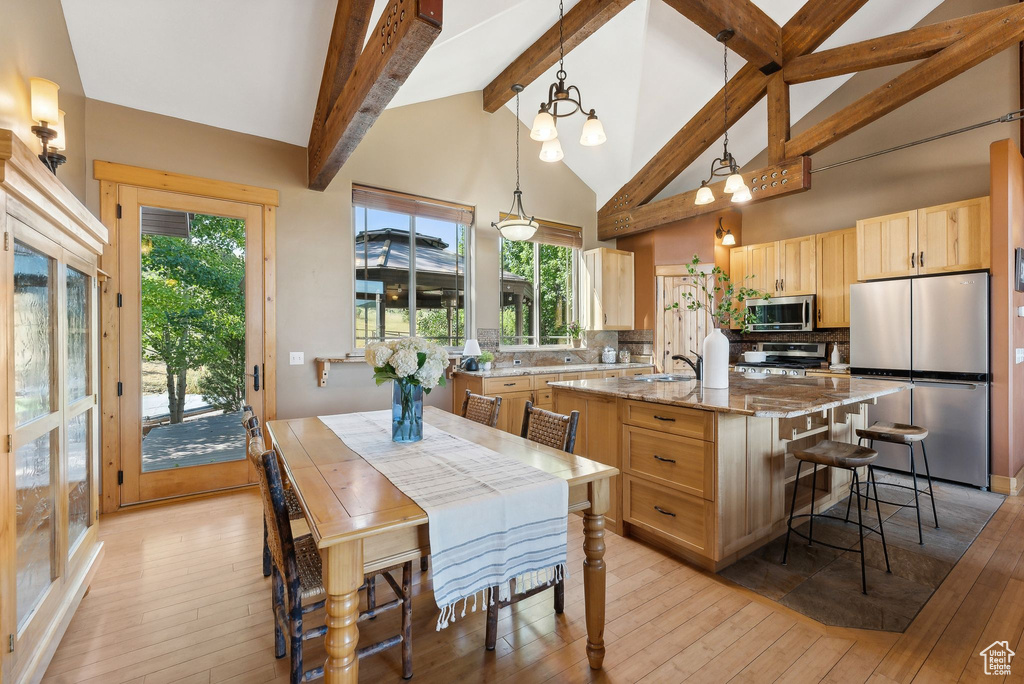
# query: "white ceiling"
{"points": [[254, 66]]}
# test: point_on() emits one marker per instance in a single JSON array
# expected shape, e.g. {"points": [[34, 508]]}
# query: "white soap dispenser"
{"points": [[837, 358]]}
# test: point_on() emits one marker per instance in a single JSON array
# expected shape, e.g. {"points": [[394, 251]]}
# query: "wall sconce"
{"points": [[725, 234], [45, 111]]}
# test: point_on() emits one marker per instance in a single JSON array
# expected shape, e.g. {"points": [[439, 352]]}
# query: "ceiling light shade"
{"points": [[729, 240], [543, 127], [733, 183], [704, 195], [517, 228], [742, 195], [60, 142], [551, 151], [593, 132], [44, 100]]}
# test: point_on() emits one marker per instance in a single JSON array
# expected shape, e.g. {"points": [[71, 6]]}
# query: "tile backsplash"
{"points": [[594, 342], [739, 343]]}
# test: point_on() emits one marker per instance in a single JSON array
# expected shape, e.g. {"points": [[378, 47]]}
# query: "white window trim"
{"points": [[535, 314]]}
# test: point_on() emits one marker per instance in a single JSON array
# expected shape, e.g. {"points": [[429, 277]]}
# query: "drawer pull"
{"points": [[510, 384], [663, 511], [667, 420], [664, 460]]}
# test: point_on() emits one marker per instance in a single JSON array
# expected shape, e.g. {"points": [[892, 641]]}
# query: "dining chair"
{"points": [[298, 586], [480, 409], [559, 432], [254, 447]]}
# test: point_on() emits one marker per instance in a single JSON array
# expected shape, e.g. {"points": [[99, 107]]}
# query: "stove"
{"points": [[792, 359]]}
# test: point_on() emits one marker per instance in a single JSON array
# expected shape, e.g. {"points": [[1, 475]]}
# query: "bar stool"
{"points": [[837, 455], [907, 435]]}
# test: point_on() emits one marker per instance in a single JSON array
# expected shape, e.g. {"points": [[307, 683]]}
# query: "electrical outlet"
{"points": [[1020, 356], [517, 362], [568, 359], [296, 358]]}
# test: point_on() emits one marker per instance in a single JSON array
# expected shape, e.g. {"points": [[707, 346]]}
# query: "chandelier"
{"points": [[563, 101], [726, 164], [516, 225]]}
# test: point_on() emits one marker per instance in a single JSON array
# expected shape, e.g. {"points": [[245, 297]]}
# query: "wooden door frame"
{"points": [[112, 177]]}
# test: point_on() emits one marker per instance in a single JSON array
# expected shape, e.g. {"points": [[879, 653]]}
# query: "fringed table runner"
{"points": [[491, 518]]}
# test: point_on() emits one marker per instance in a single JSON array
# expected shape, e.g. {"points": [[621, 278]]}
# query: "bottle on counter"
{"points": [[837, 358]]}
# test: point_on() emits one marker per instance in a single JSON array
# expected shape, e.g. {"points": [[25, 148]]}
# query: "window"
{"points": [[406, 244], [538, 286]]}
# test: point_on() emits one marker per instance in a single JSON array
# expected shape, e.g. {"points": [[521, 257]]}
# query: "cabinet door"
{"points": [[607, 289], [597, 438], [762, 267], [513, 406], [738, 272], [954, 237], [677, 331], [887, 246], [797, 266], [836, 271]]}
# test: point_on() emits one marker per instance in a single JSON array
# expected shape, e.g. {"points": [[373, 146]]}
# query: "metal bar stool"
{"points": [[907, 435], [837, 455]]}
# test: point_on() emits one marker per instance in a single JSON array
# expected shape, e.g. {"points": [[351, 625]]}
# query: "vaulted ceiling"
{"points": [[254, 66]]}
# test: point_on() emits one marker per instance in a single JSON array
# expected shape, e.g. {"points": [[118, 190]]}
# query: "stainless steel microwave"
{"points": [[782, 314]]}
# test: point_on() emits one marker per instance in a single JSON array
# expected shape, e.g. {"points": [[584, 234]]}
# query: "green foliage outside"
{"points": [[555, 291], [193, 311]]}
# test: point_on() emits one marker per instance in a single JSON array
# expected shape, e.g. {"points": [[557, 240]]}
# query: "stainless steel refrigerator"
{"points": [[932, 331]]}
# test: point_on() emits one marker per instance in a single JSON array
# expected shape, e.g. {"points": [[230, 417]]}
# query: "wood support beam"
{"points": [[580, 22], [967, 52], [897, 48], [787, 178], [399, 40], [778, 117], [757, 38], [347, 36]]}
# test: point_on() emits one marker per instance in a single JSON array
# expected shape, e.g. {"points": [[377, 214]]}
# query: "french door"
{"points": [[191, 324]]}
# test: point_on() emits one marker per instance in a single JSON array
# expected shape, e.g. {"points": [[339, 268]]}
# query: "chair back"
{"points": [[550, 428], [279, 528], [479, 409]]}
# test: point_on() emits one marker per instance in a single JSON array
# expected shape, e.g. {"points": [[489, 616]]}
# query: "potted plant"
{"points": [[575, 332], [485, 359], [723, 301], [415, 366]]}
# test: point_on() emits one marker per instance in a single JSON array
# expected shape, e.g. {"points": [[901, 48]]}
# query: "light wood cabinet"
{"points": [[887, 246], [606, 292], [797, 266], [763, 267], [836, 271], [738, 273], [954, 237]]}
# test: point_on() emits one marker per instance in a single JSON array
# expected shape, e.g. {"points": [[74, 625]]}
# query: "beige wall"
{"points": [[447, 149], [34, 42], [943, 171]]}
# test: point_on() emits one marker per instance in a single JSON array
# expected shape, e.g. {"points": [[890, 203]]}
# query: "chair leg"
{"points": [[867, 491], [266, 551], [492, 618], [407, 620], [423, 564], [849, 498], [371, 594], [878, 512], [917, 503], [814, 492], [792, 510], [295, 624], [860, 534], [280, 616], [928, 474], [560, 597]]}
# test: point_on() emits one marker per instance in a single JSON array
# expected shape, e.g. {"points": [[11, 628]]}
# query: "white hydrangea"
{"points": [[405, 362], [430, 374], [378, 354]]}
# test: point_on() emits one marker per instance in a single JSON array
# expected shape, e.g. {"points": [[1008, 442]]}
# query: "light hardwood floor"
{"points": [[180, 598]]}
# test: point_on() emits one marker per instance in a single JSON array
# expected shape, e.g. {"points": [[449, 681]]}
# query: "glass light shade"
{"points": [[543, 127], [551, 151], [729, 239], [44, 100], [60, 142], [593, 133], [733, 183], [472, 348], [517, 229], [742, 195], [704, 196]]}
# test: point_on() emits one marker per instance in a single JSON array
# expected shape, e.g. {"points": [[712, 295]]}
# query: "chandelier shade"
{"points": [[704, 195], [543, 127], [593, 132], [551, 151], [517, 225]]}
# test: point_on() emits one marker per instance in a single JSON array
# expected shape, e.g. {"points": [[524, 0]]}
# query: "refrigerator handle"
{"points": [[806, 315], [947, 385]]}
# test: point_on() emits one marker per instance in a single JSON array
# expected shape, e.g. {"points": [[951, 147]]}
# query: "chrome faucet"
{"points": [[698, 367]]}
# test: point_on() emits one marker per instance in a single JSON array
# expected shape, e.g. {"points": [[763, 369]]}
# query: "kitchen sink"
{"points": [[663, 377]]}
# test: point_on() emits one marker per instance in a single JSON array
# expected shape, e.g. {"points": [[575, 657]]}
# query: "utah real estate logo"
{"points": [[997, 658]]}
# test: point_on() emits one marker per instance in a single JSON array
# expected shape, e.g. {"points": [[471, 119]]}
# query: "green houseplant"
{"points": [[575, 332], [485, 360]]}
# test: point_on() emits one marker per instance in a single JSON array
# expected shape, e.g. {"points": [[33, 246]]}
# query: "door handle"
{"points": [[913, 255], [256, 378], [819, 315], [664, 460], [777, 288], [783, 284], [663, 511], [920, 259]]}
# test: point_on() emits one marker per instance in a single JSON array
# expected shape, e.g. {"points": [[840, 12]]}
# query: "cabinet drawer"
{"points": [[591, 375], [565, 377], [684, 519], [679, 421], [611, 374], [540, 382], [632, 372], [515, 384], [682, 463], [545, 398]]}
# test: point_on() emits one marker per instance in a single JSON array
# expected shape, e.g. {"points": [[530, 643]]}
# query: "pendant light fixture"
{"points": [[563, 101], [516, 225], [726, 164]]}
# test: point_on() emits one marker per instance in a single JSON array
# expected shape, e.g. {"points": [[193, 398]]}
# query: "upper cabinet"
{"points": [[783, 268], [947, 238], [738, 273], [836, 271], [607, 289], [763, 267]]}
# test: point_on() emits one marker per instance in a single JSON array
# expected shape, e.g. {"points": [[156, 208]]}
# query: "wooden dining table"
{"points": [[361, 522]]}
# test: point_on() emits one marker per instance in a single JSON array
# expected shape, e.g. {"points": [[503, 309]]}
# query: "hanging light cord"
{"points": [[517, 140], [561, 44], [725, 93]]}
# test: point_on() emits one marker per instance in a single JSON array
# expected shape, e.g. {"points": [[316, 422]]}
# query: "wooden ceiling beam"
{"points": [[897, 48], [351, 19], [810, 27], [756, 38], [399, 40], [967, 52], [579, 24], [778, 117]]}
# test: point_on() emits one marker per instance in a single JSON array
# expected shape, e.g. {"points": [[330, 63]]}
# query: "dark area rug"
{"points": [[824, 583]]}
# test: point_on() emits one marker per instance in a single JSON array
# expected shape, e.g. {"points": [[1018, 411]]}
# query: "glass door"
{"points": [[191, 341]]}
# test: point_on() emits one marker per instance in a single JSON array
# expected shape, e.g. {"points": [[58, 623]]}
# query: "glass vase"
{"points": [[406, 412]]}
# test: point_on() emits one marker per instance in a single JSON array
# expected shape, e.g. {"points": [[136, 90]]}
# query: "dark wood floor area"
{"points": [[180, 598]]}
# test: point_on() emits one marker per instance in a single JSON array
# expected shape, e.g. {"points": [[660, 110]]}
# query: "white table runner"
{"points": [[492, 518]]}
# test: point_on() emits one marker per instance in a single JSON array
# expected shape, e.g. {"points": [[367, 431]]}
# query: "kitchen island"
{"points": [[706, 473]]}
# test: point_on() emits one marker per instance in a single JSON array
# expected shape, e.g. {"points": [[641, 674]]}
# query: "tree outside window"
{"points": [[538, 293]]}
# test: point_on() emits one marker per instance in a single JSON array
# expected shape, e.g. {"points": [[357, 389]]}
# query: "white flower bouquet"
{"points": [[416, 366]]}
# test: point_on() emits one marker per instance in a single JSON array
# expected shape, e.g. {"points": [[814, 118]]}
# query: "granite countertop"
{"points": [[769, 397], [512, 371]]}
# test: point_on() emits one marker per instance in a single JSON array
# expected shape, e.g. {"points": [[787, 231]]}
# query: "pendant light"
{"points": [[563, 101], [516, 225], [726, 164]]}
